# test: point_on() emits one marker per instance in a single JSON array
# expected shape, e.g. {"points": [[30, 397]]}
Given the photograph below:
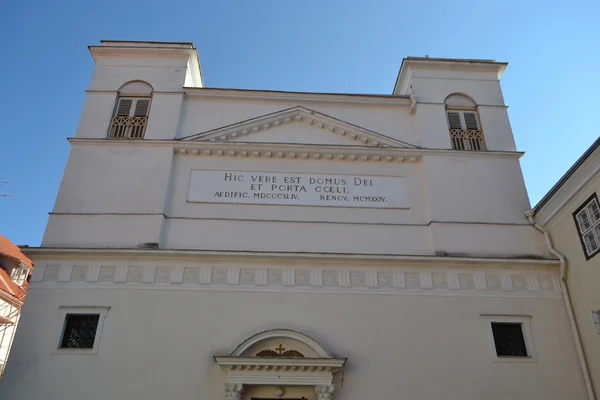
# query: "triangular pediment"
{"points": [[298, 125]]}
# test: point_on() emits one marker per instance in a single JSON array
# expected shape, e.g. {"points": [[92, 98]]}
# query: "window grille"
{"points": [[587, 219], [465, 132], [80, 331], [130, 118], [509, 339]]}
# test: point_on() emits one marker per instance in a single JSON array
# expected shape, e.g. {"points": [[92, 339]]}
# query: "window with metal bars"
{"points": [[509, 339], [130, 118], [465, 130], [587, 221], [79, 331]]}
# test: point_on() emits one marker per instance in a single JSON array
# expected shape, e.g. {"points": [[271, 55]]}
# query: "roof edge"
{"points": [[501, 65], [563, 179]]}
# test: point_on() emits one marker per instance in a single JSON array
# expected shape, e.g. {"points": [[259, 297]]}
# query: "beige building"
{"points": [[244, 244], [570, 214]]}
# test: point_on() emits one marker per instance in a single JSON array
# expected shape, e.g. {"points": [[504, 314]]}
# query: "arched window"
{"points": [[463, 122], [131, 111]]}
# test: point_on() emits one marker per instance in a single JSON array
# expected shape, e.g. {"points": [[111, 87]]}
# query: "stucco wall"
{"points": [[159, 344]]}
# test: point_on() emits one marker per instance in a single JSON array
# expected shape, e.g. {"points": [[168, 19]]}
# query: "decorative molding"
{"points": [[324, 392], [298, 152], [533, 284], [233, 276], [177, 275], [521, 282], [93, 274], [64, 274], [344, 278], [303, 97], [38, 273], [261, 277], [372, 280], [426, 280], [316, 277], [233, 391]]}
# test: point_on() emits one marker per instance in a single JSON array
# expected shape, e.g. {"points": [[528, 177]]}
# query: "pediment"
{"points": [[298, 125]]}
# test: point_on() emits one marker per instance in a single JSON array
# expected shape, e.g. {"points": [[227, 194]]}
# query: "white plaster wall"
{"points": [[96, 115], [102, 230], [432, 126], [434, 85], [475, 189], [166, 74], [159, 344], [164, 115], [201, 115], [111, 178], [496, 128], [295, 237]]}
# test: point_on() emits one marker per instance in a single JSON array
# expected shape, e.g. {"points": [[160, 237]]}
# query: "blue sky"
{"points": [[551, 84]]}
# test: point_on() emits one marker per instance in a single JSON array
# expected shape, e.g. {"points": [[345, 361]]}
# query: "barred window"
{"points": [[463, 123], [130, 118], [509, 339], [79, 331], [587, 220]]}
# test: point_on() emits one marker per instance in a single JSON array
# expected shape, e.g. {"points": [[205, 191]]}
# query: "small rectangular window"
{"points": [[587, 222], [509, 339], [80, 331]]}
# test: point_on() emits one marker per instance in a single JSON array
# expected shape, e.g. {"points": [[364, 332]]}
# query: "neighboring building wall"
{"points": [[9, 317], [13, 289], [583, 276]]}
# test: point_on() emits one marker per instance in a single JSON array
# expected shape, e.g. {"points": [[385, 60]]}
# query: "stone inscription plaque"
{"points": [[249, 187]]}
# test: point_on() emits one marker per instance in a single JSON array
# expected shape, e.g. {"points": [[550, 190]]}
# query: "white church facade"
{"points": [[244, 244]]}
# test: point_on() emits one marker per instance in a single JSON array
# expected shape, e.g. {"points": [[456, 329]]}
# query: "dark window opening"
{"points": [[509, 339], [80, 331]]}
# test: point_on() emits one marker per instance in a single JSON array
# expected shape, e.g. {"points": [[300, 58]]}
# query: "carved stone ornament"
{"points": [[233, 391], [324, 392]]}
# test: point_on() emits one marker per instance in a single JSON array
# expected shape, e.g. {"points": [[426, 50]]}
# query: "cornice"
{"points": [[263, 256], [227, 363], [242, 149], [268, 95], [130, 51]]}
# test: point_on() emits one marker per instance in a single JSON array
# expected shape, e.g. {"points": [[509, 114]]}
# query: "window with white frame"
{"points": [[510, 338], [81, 328], [19, 275], [587, 220], [130, 118]]}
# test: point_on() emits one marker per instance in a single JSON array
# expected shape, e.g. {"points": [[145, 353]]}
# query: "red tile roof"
{"points": [[12, 251]]}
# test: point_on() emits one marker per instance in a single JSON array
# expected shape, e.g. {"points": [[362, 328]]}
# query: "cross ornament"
{"points": [[280, 349]]}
